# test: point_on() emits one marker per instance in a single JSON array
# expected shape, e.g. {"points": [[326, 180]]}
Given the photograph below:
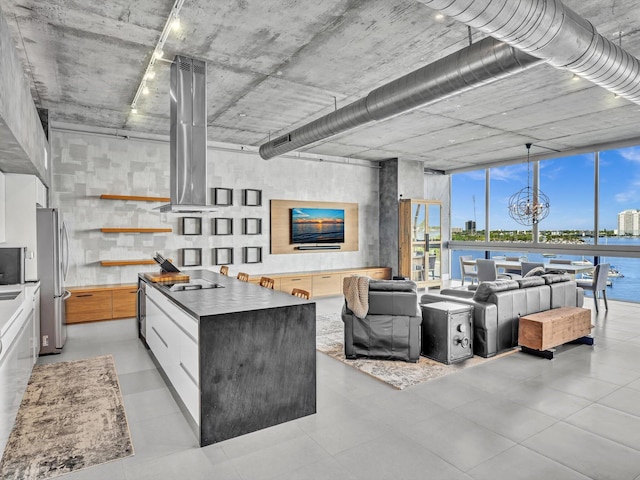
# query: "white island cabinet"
{"points": [[172, 336], [17, 353]]}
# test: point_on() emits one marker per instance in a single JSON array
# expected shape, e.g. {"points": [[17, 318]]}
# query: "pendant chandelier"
{"points": [[528, 206]]}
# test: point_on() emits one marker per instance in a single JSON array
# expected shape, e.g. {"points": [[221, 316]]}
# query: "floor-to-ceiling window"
{"points": [[594, 213], [569, 184], [468, 206]]}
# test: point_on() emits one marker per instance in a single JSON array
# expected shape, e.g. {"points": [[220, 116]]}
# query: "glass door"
{"points": [[434, 244], [420, 242]]}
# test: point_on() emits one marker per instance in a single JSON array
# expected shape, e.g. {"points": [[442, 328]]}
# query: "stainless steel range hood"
{"points": [[188, 137]]}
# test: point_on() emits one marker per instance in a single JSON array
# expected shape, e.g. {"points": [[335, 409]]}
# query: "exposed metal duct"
{"points": [[188, 137], [549, 30], [478, 64]]}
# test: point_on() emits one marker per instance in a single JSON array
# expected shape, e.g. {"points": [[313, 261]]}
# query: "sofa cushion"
{"points": [[551, 278], [530, 282], [485, 289], [535, 272], [393, 286]]}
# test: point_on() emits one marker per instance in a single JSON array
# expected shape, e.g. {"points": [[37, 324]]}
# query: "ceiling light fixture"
{"points": [[529, 205], [158, 53], [145, 90]]}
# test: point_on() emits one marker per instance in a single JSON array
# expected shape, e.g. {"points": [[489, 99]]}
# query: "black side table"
{"points": [[447, 331]]}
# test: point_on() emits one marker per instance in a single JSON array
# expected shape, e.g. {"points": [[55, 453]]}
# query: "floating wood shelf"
{"points": [[122, 263], [135, 230], [134, 198]]}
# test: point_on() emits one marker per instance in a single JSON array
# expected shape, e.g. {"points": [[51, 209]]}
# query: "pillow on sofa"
{"points": [[485, 289], [530, 282], [550, 278], [535, 272]]}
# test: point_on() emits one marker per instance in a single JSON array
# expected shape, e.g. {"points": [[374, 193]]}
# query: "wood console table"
{"points": [[321, 283]]}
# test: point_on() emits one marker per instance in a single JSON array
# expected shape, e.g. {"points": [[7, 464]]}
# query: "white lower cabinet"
{"points": [[172, 336], [16, 363]]}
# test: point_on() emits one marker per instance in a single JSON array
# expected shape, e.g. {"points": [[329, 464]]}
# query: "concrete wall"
{"points": [[398, 179], [22, 139], [87, 165]]}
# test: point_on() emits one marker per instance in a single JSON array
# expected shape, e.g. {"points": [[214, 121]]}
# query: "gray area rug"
{"points": [[71, 417], [398, 374]]}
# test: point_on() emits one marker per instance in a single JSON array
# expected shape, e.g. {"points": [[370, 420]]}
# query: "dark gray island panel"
{"points": [[254, 358], [258, 369]]}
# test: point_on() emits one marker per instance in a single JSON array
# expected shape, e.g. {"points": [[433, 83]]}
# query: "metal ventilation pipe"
{"points": [[478, 64], [549, 30]]}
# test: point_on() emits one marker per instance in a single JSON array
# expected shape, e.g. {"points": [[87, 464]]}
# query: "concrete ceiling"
{"points": [[274, 65]]}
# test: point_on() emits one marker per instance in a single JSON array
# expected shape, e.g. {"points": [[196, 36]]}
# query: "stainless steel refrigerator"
{"points": [[53, 266]]}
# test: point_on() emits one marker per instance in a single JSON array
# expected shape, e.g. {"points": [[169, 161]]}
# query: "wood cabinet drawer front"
{"points": [[289, 283], [87, 306], [124, 303], [381, 274], [330, 284]]}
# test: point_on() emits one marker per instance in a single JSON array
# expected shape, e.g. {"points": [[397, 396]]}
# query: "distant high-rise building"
{"points": [[470, 226], [629, 222]]}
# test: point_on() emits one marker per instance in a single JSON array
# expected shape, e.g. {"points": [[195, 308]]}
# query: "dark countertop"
{"points": [[236, 296]]}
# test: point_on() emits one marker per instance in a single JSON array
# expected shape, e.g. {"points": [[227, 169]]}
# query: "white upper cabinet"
{"points": [[21, 193]]}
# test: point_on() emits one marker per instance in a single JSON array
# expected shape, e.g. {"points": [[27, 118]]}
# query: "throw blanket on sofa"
{"points": [[356, 292]]}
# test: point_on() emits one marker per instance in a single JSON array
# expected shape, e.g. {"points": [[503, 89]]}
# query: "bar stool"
{"points": [[267, 282], [224, 270], [298, 292], [243, 277]]}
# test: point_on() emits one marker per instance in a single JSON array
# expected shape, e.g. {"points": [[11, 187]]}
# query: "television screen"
{"points": [[317, 225]]}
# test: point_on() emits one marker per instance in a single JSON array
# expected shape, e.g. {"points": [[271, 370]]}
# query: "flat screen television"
{"points": [[317, 225]]}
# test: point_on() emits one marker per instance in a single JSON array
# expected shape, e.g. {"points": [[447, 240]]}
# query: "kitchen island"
{"points": [[238, 358]]}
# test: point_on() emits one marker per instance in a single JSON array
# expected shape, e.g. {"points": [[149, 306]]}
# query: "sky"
{"points": [[567, 181]]}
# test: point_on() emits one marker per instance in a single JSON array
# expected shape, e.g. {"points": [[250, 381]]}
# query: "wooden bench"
{"points": [[538, 333]]}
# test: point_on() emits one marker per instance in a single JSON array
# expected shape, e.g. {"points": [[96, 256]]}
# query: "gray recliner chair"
{"points": [[391, 328]]}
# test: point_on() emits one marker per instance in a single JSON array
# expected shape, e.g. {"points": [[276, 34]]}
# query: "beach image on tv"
{"points": [[317, 225]]}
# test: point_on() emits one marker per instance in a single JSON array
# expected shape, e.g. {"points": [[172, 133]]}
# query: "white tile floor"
{"points": [[518, 417]]}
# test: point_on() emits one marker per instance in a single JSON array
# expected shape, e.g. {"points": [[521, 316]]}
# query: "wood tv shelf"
{"points": [[135, 198]]}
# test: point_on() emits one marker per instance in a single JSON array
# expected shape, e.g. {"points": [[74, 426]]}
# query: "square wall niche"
{"points": [[251, 254], [223, 196], [222, 226], [223, 256], [191, 257], [252, 198], [251, 226], [191, 226]]}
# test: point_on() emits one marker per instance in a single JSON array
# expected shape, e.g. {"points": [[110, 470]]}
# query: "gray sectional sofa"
{"points": [[498, 305]]}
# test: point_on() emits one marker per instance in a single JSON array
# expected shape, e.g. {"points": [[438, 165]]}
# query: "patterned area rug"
{"points": [[398, 374], [71, 417]]}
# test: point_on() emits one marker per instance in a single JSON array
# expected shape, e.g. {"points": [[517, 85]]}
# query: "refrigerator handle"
{"points": [[65, 251], [66, 295]]}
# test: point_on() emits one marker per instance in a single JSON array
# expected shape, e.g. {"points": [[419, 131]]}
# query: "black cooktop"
{"points": [[194, 284]]}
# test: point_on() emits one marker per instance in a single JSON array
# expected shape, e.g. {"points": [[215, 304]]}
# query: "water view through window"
{"points": [[569, 183]]}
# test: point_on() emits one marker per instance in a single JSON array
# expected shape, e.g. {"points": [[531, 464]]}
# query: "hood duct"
{"points": [[549, 30], [478, 64], [188, 137]]}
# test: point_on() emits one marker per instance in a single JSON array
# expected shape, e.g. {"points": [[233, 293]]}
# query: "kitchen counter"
{"points": [[242, 357], [236, 296]]}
